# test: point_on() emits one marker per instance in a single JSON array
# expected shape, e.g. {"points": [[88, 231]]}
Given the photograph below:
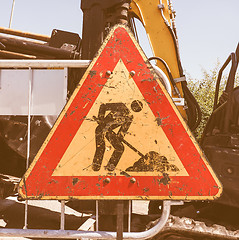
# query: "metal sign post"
{"points": [[120, 219]]}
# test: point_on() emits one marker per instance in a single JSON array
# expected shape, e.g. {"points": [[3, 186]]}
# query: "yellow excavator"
{"points": [[220, 141]]}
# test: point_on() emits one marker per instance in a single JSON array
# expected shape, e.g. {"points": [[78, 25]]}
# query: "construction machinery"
{"points": [[220, 141]]}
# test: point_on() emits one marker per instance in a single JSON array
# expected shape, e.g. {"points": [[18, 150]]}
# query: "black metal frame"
{"points": [[226, 106]]}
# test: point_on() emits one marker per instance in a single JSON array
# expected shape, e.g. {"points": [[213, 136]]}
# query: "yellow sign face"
{"points": [[144, 134], [120, 136]]}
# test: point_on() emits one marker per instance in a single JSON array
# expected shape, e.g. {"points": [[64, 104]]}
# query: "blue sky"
{"points": [[207, 29]]}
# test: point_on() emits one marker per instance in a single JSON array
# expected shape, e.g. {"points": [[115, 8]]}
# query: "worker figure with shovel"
{"points": [[119, 116]]}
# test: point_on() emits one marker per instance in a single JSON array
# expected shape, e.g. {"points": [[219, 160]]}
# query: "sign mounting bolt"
{"points": [[108, 72], [133, 180], [132, 73], [107, 180]]}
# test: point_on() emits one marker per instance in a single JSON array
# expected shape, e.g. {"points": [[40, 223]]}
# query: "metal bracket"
{"points": [[181, 79], [160, 6], [70, 234], [179, 101]]}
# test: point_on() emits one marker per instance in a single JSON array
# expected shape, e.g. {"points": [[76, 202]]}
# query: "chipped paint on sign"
{"points": [[120, 136], [142, 132]]}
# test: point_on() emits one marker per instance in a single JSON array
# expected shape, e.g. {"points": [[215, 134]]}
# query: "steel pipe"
{"points": [[44, 63], [32, 48], [164, 78], [219, 77], [10, 21], [62, 227], [13, 55], [25, 34], [71, 234]]}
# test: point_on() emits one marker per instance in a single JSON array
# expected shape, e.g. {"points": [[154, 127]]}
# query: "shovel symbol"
{"points": [[150, 162]]}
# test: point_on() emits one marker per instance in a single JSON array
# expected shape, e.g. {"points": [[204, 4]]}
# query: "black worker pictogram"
{"points": [[110, 117]]}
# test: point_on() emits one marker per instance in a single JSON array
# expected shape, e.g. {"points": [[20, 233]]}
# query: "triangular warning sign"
{"points": [[120, 136]]}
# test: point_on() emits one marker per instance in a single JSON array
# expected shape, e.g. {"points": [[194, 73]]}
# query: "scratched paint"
{"points": [[120, 136], [130, 118]]}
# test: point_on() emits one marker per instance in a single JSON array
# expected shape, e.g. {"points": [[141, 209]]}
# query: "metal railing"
{"points": [[72, 234], [62, 233], [44, 63]]}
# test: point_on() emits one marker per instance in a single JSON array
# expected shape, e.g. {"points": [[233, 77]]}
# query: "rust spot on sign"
{"points": [[75, 181], [158, 121], [165, 180], [92, 73]]}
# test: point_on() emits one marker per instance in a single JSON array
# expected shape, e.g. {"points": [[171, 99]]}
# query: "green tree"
{"points": [[204, 92]]}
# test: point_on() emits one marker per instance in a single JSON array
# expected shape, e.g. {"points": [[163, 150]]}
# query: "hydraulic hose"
{"points": [[193, 110], [169, 74], [174, 41]]}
